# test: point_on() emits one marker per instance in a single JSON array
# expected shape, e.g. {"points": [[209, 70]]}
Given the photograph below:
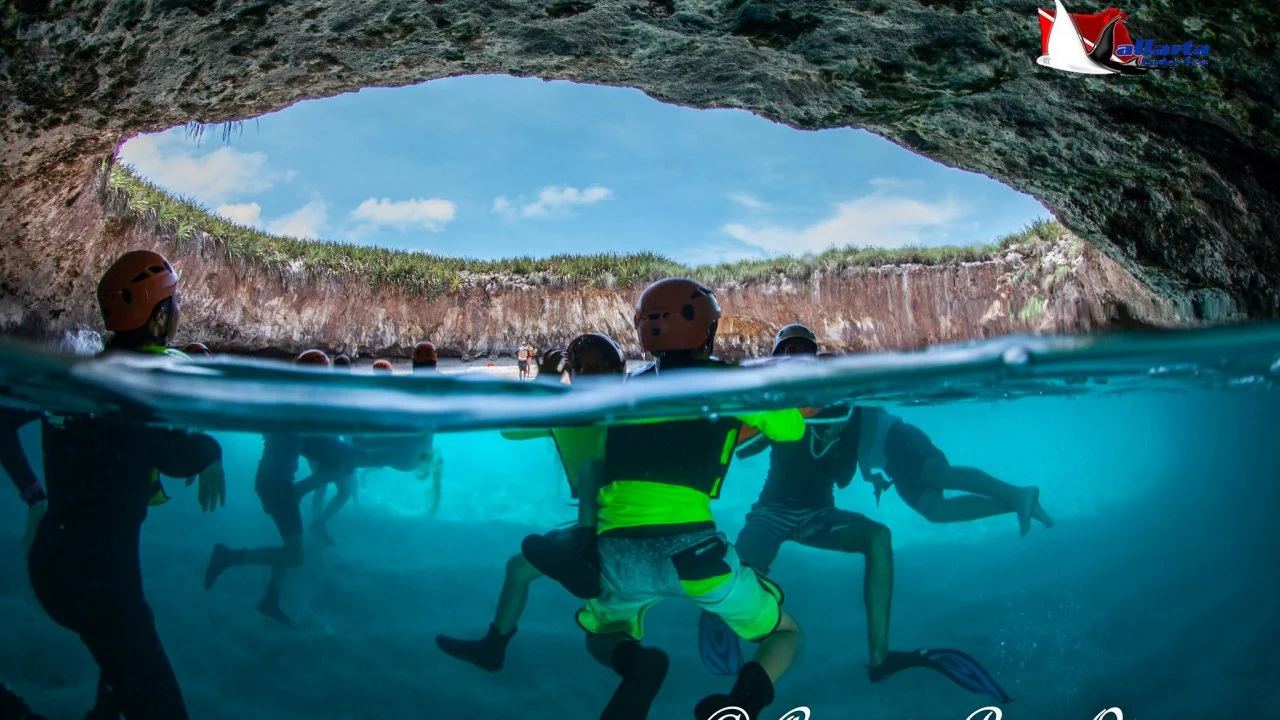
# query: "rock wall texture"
{"points": [[1058, 285], [1175, 174]]}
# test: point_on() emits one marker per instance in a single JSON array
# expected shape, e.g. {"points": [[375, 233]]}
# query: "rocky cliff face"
{"points": [[1174, 174], [1060, 284]]}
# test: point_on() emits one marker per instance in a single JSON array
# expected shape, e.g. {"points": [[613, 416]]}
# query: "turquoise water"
{"points": [[1156, 592]]}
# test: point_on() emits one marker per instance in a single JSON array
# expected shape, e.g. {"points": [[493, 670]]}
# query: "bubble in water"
{"points": [[1275, 367]]}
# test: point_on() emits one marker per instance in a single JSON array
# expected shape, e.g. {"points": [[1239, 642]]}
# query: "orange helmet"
{"points": [[424, 355], [197, 348], [677, 314], [382, 366], [132, 287], [312, 357]]}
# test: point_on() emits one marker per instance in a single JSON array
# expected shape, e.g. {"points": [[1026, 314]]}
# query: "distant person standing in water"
{"points": [[523, 353], [102, 475]]}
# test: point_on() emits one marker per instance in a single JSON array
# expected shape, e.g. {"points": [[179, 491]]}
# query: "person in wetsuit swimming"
{"points": [[276, 489], [592, 354], [101, 475]]}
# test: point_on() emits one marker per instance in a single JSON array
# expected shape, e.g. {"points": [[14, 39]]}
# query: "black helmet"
{"points": [[595, 354], [795, 339]]}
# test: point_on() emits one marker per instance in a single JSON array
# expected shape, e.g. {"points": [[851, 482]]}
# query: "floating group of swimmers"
{"points": [[645, 529]]}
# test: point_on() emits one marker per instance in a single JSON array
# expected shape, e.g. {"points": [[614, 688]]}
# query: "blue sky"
{"points": [[495, 166]]}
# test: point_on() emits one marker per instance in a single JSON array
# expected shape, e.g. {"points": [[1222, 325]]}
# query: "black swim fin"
{"points": [[959, 667], [719, 647]]}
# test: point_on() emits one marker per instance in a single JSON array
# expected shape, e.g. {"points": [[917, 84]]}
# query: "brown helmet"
{"points": [[343, 360], [197, 348], [677, 314], [382, 366], [132, 287], [424, 355], [312, 357]]}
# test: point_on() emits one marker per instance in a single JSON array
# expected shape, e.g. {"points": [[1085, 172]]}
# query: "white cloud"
{"points": [[746, 200], [503, 207], [304, 223], [430, 214], [210, 177], [553, 201], [879, 219], [245, 213]]}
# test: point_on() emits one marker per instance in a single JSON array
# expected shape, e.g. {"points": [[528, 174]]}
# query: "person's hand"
{"points": [[212, 488], [35, 513]]}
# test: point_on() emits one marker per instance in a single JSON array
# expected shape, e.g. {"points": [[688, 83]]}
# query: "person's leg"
{"points": [[320, 525], [921, 472], [751, 605], [762, 535], [291, 557], [281, 504], [614, 622], [134, 665], [489, 652], [851, 532]]}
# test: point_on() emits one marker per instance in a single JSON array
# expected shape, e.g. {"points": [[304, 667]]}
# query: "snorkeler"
{"points": [[650, 501], [342, 361], [102, 474], [197, 348], [274, 485], [587, 355], [797, 504], [382, 367]]}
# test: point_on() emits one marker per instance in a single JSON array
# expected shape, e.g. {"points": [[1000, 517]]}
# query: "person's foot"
{"points": [[1027, 499], [1039, 514], [894, 661], [270, 606], [219, 560], [320, 531], [642, 675], [752, 693], [487, 653]]}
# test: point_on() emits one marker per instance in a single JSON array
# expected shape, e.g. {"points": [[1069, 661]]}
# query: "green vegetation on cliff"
{"points": [[187, 225]]}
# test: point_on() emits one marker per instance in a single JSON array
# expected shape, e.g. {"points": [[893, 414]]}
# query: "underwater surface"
{"points": [[1158, 456]]}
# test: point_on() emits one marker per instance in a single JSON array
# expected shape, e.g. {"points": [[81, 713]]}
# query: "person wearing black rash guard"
{"points": [[276, 488], [797, 504], [102, 474]]}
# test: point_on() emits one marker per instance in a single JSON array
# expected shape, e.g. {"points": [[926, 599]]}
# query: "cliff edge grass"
{"points": [[188, 225]]}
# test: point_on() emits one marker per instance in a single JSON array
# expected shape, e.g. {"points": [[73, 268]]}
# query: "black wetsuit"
{"points": [[84, 566]]}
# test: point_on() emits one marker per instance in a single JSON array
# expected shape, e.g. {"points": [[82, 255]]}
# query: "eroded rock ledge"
{"points": [[1053, 283]]}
